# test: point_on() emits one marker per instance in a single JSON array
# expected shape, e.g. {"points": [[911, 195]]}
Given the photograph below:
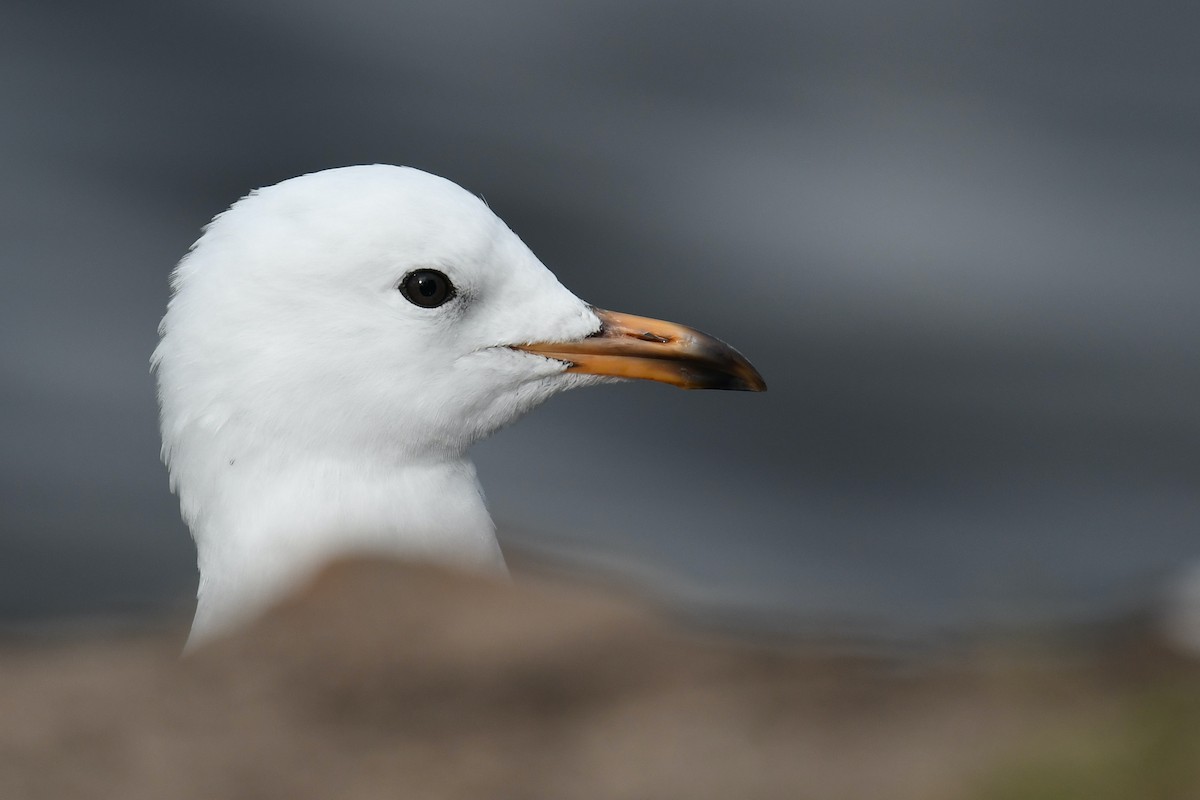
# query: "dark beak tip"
{"points": [[752, 383], [749, 377], [736, 381]]}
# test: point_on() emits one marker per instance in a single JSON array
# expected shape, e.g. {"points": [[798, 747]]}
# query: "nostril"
{"points": [[653, 337]]}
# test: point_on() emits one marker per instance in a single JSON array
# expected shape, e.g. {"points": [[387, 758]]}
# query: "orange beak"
{"points": [[651, 349]]}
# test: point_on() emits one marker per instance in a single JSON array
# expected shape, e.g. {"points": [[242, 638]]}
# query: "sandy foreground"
{"points": [[386, 680]]}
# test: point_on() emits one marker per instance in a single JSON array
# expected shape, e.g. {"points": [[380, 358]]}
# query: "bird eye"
{"points": [[426, 288]]}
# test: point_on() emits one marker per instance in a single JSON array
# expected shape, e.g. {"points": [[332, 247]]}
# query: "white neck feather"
{"points": [[278, 522]]}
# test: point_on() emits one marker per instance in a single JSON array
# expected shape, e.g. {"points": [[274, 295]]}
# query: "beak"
{"points": [[651, 349]]}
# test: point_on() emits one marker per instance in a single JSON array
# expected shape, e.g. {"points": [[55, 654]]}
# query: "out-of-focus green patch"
{"points": [[1148, 750]]}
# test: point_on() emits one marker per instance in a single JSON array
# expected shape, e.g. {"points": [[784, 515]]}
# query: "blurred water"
{"points": [[959, 240]]}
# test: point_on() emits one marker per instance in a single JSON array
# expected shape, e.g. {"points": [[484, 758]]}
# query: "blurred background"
{"points": [[960, 241]]}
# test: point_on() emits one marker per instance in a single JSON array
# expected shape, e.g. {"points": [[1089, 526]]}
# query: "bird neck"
{"points": [[279, 521]]}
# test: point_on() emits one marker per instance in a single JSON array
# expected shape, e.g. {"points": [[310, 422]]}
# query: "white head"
{"points": [[335, 343]]}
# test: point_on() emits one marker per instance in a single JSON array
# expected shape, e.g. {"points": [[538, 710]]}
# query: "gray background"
{"points": [[960, 240]]}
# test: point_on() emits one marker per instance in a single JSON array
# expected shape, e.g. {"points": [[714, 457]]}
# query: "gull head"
{"points": [[350, 327]]}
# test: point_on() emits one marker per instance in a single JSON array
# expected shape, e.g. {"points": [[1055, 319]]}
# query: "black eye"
{"points": [[426, 288]]}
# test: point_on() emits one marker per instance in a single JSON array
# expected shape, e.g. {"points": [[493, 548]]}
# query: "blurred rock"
{"points": [[1180, 612], [388, 680]]}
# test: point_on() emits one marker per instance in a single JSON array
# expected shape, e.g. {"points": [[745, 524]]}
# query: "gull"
{"points": [[332, 347]]}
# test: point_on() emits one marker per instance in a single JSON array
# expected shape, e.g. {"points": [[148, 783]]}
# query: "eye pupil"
{"points": [[427, 288]]}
